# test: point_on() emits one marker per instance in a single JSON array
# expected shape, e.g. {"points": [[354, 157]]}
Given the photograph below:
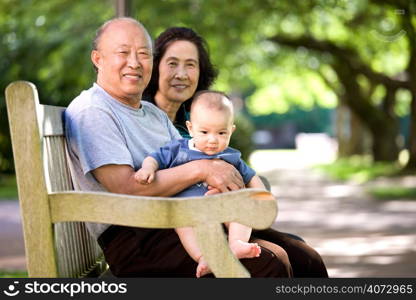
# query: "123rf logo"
{"points": [[11, 290]]}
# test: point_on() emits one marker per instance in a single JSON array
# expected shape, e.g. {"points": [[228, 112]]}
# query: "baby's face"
{"points": [[211, 130]]}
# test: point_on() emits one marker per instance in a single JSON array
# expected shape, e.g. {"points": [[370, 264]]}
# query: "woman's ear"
{"points": [[189, 126]]}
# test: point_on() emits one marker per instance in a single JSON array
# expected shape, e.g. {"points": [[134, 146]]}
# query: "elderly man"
{"points": [[110, 131]]}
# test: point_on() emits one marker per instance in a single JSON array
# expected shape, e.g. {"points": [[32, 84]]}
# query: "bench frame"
{"points": [[53, 213]]}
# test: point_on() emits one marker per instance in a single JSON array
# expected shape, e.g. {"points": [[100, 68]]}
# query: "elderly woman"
{"points": [[181, 67]]}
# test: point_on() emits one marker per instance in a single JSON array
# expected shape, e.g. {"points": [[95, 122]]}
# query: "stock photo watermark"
{"points": [[62, 288], [389, 30]]}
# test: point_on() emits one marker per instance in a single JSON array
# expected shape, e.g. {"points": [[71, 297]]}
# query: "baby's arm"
{"points": [[146, 173]]}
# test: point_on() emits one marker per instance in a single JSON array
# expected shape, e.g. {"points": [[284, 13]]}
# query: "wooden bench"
{"points": [[57, 243]]}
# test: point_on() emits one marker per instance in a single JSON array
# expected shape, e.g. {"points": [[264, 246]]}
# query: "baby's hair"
{"points": [[215, 101]]}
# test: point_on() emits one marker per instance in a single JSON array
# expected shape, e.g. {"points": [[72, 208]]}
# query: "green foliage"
{"points": [[393, 193], [13, 274], [359, 169], [241, 138], [48, 43], [304, 90], [8, 187], [350, 24]]}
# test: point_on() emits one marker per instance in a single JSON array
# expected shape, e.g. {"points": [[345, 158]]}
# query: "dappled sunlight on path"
{"points": [[357, 236]]}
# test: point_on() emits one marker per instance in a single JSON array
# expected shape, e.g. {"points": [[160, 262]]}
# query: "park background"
{"points": [[326, 97]]}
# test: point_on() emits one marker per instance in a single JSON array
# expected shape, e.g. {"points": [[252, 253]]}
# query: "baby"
{"points": [[211, 125]]}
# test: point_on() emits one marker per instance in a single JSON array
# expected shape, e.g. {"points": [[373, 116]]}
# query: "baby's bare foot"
{"points": [[245, 250], [202, 268]]}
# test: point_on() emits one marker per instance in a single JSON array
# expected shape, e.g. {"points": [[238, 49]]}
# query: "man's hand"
{"points": [[221, 175]]}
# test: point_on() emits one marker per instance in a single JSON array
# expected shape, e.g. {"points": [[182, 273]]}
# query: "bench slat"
{"points": [[76, 250], [51, 119]]}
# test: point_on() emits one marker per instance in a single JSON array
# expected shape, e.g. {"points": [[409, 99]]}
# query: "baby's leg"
{"points": [[202, 268], [188, 239], [238, 236]]}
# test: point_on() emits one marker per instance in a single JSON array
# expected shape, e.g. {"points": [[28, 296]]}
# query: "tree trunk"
{"points": [[123, 8], [353, 137], [383, 127], [385, 146], [408, 25], [342, 130], [348, 65], [411, 164]]}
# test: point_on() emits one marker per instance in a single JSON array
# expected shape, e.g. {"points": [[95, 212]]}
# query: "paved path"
{"points": [[12, 253], [356, 235]]}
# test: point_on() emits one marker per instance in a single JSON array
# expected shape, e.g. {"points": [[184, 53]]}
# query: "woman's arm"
{"points": [[256, 182]]}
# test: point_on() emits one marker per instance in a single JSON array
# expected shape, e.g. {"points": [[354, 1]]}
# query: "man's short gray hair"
{"points": [[103, 27]]}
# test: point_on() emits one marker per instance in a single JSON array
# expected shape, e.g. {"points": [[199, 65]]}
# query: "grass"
{"points": [[13, 274], [8, 187], [359, 169], [393, 193]]}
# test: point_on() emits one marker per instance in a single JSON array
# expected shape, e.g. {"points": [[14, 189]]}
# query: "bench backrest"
{"points": [[39, 148]]}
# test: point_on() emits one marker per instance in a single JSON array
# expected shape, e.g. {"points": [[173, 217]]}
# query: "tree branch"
{"points": [[343, 54], [401, 4]]}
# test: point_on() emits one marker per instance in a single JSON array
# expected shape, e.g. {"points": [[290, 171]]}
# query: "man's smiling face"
{"points": [[124, 61]]}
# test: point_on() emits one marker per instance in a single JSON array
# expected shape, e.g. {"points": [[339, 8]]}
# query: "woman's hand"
{"points": [[221, 175]]}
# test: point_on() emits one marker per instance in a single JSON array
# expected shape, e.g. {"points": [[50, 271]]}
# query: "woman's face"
{"points": [[178, 72]]}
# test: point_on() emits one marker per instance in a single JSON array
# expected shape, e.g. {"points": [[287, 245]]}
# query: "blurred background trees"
{"points": [[347, 68]]}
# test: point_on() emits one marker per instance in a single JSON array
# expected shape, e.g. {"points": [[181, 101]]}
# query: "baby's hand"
{"points": [[144, 176]]}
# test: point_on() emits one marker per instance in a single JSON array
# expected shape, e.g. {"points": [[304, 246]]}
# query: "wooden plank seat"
{"points": [[57, 243]]}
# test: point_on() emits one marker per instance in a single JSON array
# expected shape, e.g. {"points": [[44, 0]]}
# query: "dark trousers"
{"points": [[305, 261], [142, 252]]}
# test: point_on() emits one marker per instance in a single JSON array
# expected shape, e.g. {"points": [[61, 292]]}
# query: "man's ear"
{"points": [[96, 58], [189, 126], [233, 128]]}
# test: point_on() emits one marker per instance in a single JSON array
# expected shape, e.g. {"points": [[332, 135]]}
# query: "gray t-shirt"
{"points": [[101, 130]]}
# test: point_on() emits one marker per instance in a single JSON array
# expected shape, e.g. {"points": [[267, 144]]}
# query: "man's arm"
{"points": [[217, 173]]}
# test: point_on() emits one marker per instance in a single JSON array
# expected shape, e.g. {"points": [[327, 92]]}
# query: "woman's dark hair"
{"points": [[207, 72]]}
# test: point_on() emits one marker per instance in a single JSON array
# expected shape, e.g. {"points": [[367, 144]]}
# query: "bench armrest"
{"points": [[252, 207]]}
